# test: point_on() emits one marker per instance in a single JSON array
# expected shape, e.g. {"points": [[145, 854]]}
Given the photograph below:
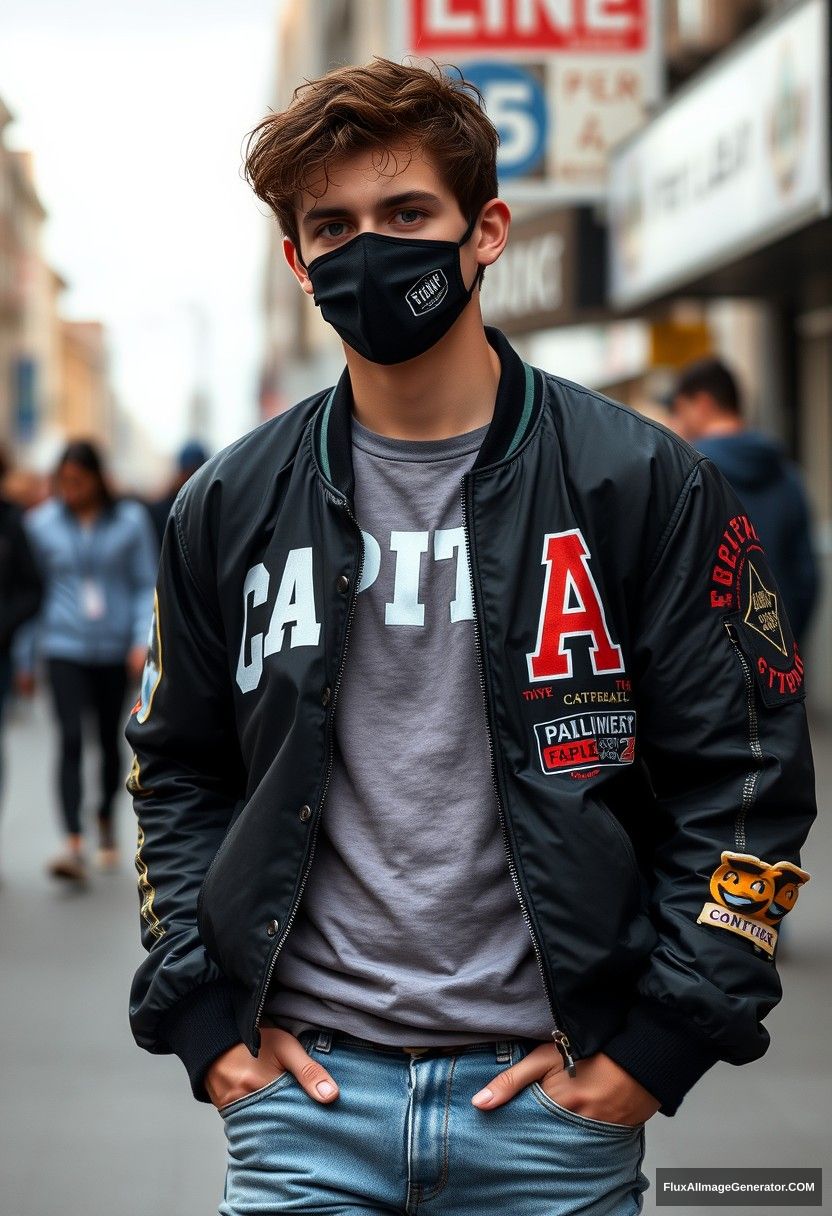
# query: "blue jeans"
{"points": [[403, 1137]]}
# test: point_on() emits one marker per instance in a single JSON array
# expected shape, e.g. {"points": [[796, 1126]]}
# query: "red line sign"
{"points": [[541, 25]]}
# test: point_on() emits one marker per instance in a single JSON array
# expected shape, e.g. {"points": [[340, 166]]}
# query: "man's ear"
{"points": [[494, 223], [298, 270]]}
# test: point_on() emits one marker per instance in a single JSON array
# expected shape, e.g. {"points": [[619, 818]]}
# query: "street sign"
{"points": [[515, 100], [734, 162], [562, 80], [538, 25]]}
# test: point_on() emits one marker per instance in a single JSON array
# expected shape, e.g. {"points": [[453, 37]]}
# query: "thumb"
{"points": [[309, 1074]]}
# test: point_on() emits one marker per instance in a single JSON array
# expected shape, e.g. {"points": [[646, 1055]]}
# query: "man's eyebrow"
{"points": [[395, 200]]}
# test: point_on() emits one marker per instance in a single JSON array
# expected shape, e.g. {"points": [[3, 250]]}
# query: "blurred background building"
{"points": [[54, 379], [668, 171]]}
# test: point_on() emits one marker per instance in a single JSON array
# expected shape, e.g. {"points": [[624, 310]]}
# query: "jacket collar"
{"points": [[518, 405]]}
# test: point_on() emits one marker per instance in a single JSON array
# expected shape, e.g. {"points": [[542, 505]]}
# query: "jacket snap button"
{"points": [[272, 927], [343, 582], [305, 812], [325, 695]]}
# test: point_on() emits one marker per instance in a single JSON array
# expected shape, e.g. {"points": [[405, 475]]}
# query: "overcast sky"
{"points": [[136, 113]]}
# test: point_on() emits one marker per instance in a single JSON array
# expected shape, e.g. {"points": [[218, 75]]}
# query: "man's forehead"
{"points": [[367, 175]]}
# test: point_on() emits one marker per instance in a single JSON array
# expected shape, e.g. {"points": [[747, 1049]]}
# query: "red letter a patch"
{"points": [[571, 608]]}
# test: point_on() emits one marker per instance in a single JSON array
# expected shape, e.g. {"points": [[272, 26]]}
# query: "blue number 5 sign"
{"points": [[516, 103]]}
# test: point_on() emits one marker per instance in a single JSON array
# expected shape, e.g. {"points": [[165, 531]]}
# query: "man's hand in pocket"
{"points": [[601, 1089], [236, 1072]]}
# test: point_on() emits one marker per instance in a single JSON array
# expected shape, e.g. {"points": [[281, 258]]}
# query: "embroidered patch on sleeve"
{"points": [[742, 583], [750, 897]]}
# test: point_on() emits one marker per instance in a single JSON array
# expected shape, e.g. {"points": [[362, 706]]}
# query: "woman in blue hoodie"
{"points": [[98, 557]]}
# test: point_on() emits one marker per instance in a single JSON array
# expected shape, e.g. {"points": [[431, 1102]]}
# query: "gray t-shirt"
{"points": [[409, 930]]}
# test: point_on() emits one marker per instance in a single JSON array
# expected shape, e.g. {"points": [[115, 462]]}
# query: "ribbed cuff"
{"points": [[201, 1027], [661, 1053]]}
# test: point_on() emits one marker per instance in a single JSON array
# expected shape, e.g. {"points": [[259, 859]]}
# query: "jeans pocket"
{"points": [[256, 1095], [601, 1126]]}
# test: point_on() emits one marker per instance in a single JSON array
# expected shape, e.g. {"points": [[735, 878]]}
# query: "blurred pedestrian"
{"points": [[21, 588], [708, 412], [98, 557], [190, 457]]}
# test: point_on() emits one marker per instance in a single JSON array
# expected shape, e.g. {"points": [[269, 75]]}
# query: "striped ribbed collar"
{"points": [[518, 404]]}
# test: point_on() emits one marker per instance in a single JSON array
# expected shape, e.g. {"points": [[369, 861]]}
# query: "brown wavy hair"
{"points": [[351, 109]]}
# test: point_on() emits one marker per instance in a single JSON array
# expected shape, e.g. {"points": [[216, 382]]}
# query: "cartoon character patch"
{"points": [[742, 584], [750, 897], [152, 673]]}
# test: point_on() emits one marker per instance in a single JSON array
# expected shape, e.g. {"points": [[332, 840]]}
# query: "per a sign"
{"points": [[541, 25]]}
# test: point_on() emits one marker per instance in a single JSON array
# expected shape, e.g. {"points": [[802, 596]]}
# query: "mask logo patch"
{"points": [[750, 897], [579, 741], [427, 292]]}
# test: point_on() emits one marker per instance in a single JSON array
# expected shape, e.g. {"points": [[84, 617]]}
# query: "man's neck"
{"points": [[722, 426], [87, 515], [448, 390]]}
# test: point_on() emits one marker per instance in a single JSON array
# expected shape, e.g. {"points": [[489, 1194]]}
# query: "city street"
{"points": [[93, 1126]]}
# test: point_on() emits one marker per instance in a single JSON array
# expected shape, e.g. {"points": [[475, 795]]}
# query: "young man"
{"points": [[471, 765], [708, 412]]}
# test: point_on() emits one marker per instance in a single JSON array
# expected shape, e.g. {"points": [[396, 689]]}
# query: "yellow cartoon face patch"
{"points": [[743, 883], [750, 897], [786, 889]]}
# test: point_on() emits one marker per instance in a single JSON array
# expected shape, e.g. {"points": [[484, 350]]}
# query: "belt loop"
{"points": [[503, 1052], [324, 1040]]}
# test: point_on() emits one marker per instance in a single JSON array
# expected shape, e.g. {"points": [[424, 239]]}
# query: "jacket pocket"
{"points": [[773, 669], [622, 834], [204, 933]]}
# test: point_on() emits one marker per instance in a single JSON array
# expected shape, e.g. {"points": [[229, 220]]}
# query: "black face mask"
{"points": [[391, 298]]}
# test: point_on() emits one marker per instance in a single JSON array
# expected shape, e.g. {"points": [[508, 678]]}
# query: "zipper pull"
{"points": [[562, 1044], [730, 629]]}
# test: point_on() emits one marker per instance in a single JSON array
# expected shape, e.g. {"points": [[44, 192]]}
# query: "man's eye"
{"points": [[409, 215], [335, 228]]}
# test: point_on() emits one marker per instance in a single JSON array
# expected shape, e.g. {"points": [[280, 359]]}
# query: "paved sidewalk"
{"points": [[94, 1127]]}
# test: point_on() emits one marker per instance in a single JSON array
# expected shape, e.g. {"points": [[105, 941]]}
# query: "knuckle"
{"points": [[311, 1072], [508, 1080]]}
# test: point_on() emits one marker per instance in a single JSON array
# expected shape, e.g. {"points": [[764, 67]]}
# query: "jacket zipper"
{"points": [[342, 502], [561, 1039], [750, 783]]}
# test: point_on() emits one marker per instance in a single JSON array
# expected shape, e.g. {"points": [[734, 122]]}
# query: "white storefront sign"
{"points": [[737, 159]]}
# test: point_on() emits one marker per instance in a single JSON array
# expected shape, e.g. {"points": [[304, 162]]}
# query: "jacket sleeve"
{"points": [[724, 737], [186, 779], [25, 592]]}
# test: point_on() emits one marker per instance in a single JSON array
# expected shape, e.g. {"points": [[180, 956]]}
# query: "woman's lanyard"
{"points": [[92, 601]]}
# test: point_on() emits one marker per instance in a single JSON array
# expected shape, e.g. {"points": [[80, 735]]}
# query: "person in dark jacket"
{"points": [[21, 588], [470, 783], [190, 457], [708, 411]]}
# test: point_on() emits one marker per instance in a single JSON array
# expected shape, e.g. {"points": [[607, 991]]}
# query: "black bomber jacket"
{"points": [[644, 698]]}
